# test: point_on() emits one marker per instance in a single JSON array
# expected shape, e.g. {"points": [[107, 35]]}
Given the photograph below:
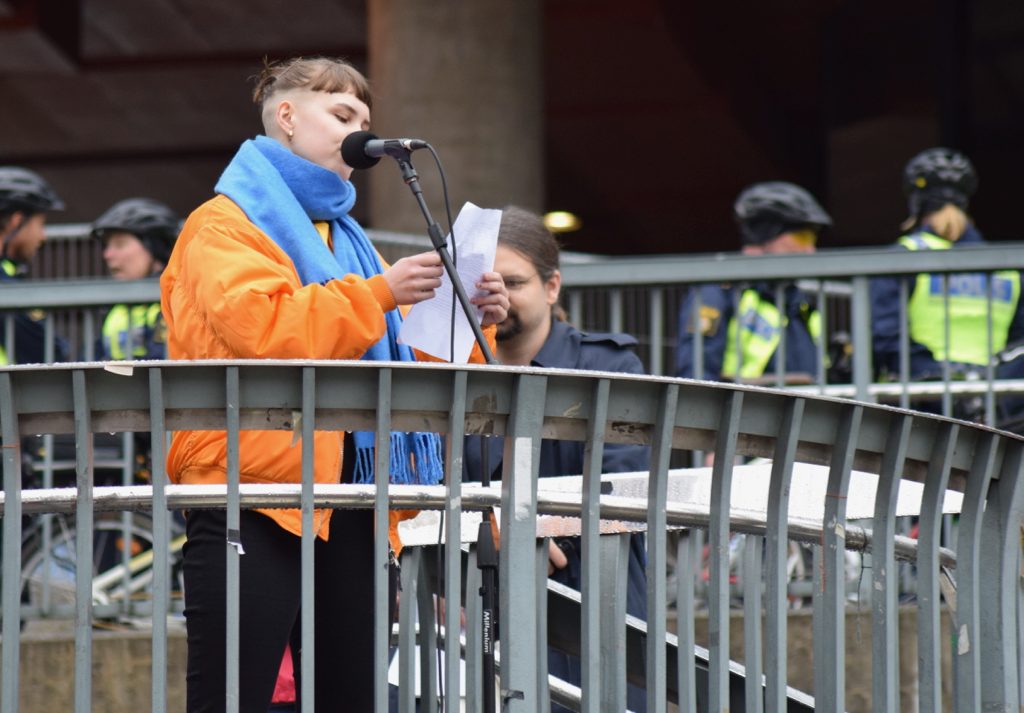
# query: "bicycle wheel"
{"points": [[57, 573]]}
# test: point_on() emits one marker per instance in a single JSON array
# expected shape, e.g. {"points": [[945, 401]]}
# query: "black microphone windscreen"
{"points": [[353, 149]]}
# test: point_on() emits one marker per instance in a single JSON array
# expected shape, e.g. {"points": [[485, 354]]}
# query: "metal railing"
{"points": [[642, 296], [526, 405]]}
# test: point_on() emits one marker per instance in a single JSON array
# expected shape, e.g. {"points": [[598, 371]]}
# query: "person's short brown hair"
{"points": [[318, 74]]}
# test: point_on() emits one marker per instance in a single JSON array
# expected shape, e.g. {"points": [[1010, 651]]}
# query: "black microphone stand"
{"points": [[487, 555]]}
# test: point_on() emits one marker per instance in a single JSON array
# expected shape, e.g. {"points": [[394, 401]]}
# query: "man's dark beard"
{"points": [[510, 328]]}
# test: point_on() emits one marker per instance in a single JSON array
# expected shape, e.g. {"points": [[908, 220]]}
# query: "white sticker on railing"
{"points": [[522, 466], [119, 369]]}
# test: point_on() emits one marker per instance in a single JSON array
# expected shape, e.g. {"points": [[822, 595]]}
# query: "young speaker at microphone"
{"points": [[275, 267]]}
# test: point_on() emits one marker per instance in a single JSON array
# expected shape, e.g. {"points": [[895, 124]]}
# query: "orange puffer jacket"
{"points": [[229, 292]]}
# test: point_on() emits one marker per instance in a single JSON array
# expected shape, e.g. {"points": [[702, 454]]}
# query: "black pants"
{"points": [[269, 594]]}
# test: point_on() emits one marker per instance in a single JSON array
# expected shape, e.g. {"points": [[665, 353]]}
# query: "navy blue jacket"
{"points": [[885, 322], [29, 335], [719, 308]]}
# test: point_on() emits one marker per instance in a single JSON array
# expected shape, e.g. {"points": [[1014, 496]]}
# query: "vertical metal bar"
{"points": [[89, 334], [698, 333], [820, 673], [10, 584], [884, 599], [947, 397], [576, 307], [1000, 570], [657, 330], [83, 544], [830, 646], [657, 496], [12, 356], [590, 584], [428, 642], [615, 310], [777, 540], [454, 441], [906, 577], [233, 549], [46, 526], [861, 337], [752, 623], [518, 619], [904, 346], [966, 660], [686, 562], [307, 623], [127, 478], [822, 308], [780, 351], [49, 339], [614, 554], [407, 630], [541, 604], [990, 398], [929, 637], [161, 537], [382, 471], [718, 541]]}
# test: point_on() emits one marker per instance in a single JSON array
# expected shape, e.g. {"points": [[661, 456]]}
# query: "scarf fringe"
{"points": [[415, 459]]}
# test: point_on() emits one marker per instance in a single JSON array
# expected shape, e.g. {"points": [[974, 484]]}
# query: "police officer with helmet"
{"points": [[742, 327], [25, 199], [137, 235], [939, 183]]}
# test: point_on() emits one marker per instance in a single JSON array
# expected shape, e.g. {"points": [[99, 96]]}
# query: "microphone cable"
{"points": [[453, 248], [442, 584]]}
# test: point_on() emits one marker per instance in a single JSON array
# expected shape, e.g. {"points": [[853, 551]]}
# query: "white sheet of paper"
{"points": [[427, 327]]}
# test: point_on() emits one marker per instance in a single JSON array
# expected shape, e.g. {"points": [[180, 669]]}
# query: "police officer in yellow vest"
{"points": [[25, 199], [774, 218], [137, 236], [938, 183]]}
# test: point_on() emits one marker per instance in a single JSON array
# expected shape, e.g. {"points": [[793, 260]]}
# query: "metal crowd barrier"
{"points": [[643, 295], [525, 405], [638, 295]]}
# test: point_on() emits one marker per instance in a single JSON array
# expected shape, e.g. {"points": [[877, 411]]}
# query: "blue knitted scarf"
{"points": [[282, 194]]}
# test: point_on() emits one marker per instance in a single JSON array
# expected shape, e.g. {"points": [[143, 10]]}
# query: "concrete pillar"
{"points": [[465, 76]]}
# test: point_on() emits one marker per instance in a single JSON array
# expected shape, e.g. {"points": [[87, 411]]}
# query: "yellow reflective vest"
{"points": [[968, 308], [760, 327], [135, 332]]}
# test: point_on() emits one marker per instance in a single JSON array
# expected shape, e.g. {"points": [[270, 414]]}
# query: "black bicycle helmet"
{"points": [[938, 176], [26, 191], [153, 223], [766, 210]]}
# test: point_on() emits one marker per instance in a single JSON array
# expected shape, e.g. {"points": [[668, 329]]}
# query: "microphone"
{"points": [[362, 149]]}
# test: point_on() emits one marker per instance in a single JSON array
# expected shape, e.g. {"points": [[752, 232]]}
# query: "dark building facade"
{"points": [[644, 118]]}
